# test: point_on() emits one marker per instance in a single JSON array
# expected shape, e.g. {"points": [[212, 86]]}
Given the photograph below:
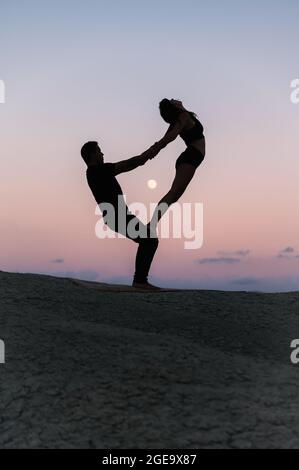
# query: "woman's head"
{"points": [[177, 103], [170, 110]]}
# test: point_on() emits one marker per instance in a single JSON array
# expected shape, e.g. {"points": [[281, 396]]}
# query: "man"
{"points": [[101, 178]]}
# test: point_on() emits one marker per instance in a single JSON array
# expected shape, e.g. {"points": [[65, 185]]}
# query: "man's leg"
{"points": [[144, 257], [145, 252]]}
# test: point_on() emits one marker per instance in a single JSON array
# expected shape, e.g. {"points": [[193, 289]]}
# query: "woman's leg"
{"points": [[184, 175]]}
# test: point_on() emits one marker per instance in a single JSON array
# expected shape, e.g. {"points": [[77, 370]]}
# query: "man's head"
{"points": [[92, 154]]}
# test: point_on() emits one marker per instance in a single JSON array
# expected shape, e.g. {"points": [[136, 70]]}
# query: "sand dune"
{"points": [[109, 367]]}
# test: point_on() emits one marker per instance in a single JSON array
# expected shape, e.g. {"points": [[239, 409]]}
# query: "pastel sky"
{"points": [[96, 70]]}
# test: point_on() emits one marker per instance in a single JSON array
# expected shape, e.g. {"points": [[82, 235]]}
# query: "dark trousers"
{"points": [[148, 244], [144, 257], [146, 249]]}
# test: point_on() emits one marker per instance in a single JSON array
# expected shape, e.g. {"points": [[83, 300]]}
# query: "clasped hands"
{"points": [[152, 152]]}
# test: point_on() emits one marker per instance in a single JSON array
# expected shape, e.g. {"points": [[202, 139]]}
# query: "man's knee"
{"points": [[154, 241]]}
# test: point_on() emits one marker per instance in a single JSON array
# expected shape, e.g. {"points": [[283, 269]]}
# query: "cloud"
{"points": [[85, 275], [287, 253], [248, 284], [246, 281], [234, 253], [265, 284], [58, 260], [220, 260], [288, 249]]}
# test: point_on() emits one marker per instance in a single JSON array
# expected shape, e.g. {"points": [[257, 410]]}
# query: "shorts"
{"points": [[192, 156]]}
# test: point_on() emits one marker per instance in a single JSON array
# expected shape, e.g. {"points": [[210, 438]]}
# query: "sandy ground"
{"points": [[106, 368]]}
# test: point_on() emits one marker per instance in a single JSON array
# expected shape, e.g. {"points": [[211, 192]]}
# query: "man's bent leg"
{"points": [[146, 250]]}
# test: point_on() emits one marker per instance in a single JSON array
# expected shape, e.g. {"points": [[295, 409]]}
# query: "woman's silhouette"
{"points": [[185, 124]]}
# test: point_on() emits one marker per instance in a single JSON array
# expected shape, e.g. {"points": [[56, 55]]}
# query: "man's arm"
{"points": [[130, 164]]}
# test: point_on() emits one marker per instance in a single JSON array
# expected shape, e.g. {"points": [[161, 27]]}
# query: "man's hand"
{"points": [[152, 152], [144, 157]]}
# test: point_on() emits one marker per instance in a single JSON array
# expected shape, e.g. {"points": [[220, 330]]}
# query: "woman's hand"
{"points": [[144, 157], [152, 152]]}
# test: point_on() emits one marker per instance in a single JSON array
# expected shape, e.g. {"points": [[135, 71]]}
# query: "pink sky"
{"points": [[62, 91]]}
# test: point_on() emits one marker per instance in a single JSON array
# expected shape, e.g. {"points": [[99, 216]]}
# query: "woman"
{"points": [[185, 124]]}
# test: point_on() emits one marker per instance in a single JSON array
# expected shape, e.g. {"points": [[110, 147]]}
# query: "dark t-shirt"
{"points": [[103, 184], [106, 189]]}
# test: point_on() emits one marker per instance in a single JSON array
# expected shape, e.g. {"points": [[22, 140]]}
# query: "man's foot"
{"points": [[145, 286]]}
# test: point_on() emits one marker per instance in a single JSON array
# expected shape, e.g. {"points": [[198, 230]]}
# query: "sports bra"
{"points": [[195, 133]]}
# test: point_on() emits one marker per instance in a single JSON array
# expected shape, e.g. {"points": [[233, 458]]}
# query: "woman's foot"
{"points": [[145, 286]]}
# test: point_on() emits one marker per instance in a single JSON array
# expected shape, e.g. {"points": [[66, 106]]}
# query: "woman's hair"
{"points": [[170, 112]]}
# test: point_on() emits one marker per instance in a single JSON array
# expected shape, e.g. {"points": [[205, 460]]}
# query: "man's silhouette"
{"points": [[106, 190]]}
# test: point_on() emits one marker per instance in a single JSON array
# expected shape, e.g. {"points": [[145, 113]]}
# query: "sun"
{"points": [[152, 184]]}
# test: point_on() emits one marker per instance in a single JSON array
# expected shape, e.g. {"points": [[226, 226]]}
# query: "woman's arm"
{"points": [[172, 132]]}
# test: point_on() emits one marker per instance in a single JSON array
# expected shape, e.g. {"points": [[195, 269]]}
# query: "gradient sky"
{"points": [[76, 71]]}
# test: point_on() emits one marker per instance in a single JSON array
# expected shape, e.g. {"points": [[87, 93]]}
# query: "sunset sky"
{"points": [[96, 70]]}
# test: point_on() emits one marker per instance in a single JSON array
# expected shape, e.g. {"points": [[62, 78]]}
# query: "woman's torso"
{"points": [[192, 134]]}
